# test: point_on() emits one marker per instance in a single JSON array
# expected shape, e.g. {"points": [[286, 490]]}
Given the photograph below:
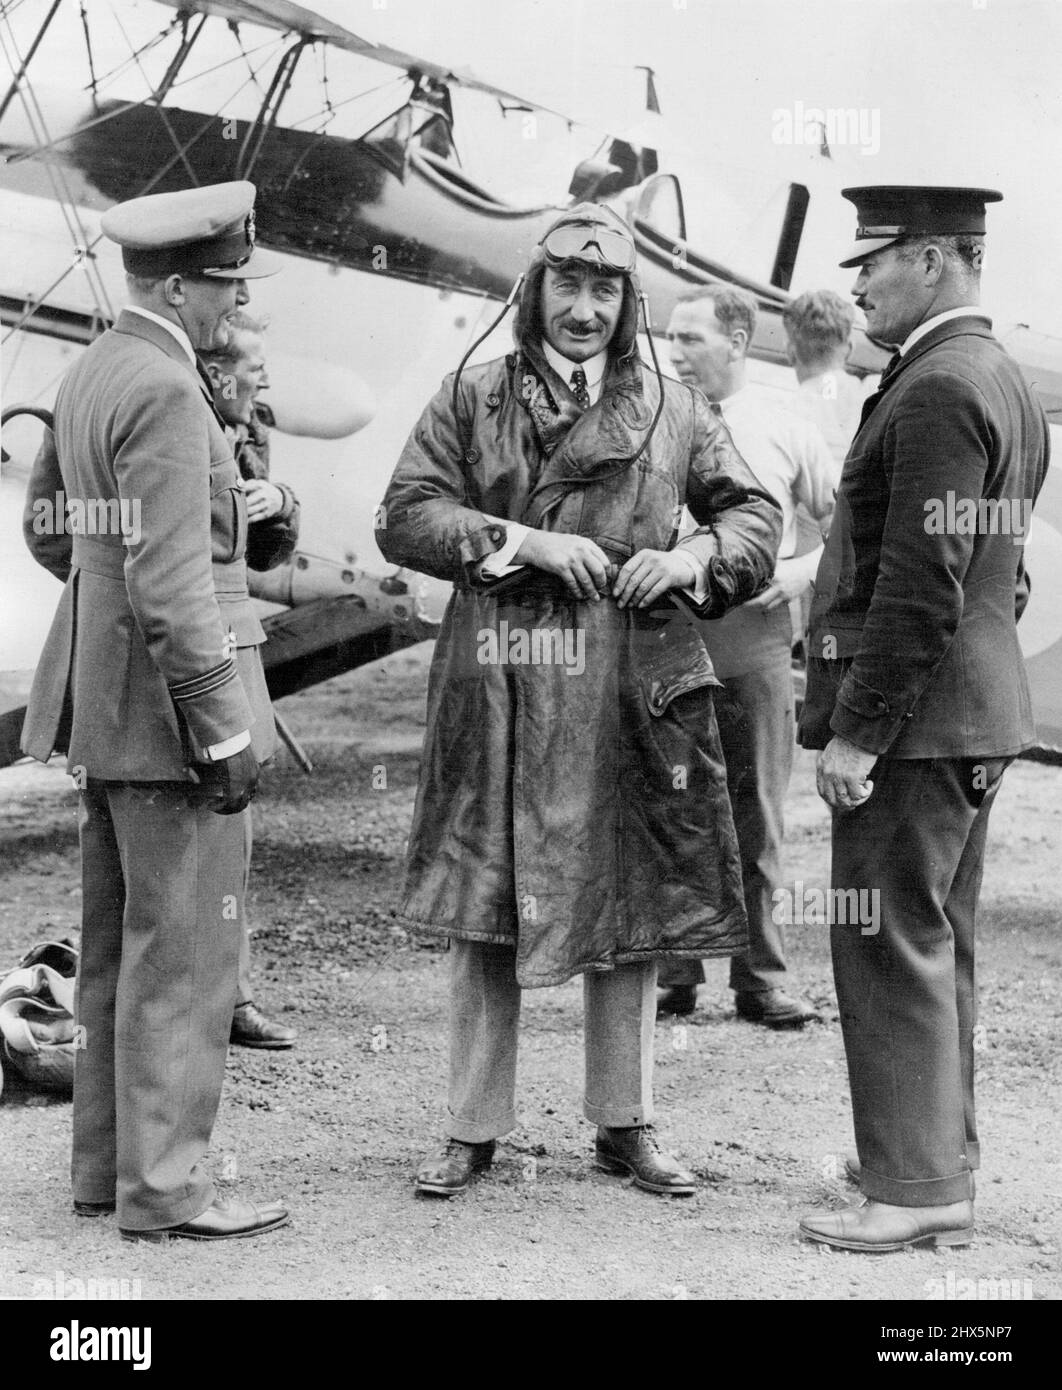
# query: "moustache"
{"points": [[574, 326]]}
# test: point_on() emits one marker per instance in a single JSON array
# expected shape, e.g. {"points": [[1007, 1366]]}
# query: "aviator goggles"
{"points": [[573, 242]]}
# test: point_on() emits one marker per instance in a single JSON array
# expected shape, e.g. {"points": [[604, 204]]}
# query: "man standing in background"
{"points": [[237, 373], [818, 326], [751, 647]]}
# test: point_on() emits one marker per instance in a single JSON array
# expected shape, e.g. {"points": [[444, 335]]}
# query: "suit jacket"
{"points": [[152, 655], [913, 647]]}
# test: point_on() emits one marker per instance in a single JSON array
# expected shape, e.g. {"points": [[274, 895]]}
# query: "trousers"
{"points": [[755, 716], [619, 1023], [907, 991], [244, 989], [162, 880]]}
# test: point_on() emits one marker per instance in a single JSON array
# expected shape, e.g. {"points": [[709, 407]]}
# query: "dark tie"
{"points": [[579, 389], [890, 367], [716, 408]]}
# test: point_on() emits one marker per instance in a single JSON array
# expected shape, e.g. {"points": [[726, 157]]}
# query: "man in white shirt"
{"points": [[818, 326], [751, 646]]}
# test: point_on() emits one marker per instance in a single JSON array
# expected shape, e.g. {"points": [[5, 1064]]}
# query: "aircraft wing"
{"points": [[288, 18]]}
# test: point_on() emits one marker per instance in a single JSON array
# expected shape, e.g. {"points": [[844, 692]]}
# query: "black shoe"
{"points": [[680, 1000], [251, 1028], [451, 1169], [637, 1151], [93, 1208], [775, 1009], [222, 1220]]}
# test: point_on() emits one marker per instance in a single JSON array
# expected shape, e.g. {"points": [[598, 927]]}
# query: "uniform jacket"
{"points": [[913, 646], [153, 652], [576, 809]]}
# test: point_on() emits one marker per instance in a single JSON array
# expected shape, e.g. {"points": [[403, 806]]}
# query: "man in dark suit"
{"points": [[917, 697], [151, 680]]}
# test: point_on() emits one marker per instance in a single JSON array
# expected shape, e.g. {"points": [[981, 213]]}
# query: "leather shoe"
{"points": [[676, 999], [93, 1208], [637, 1151], [222, 1220], [774, 1009], [877, 1226], [251, 1028], [451, 1169], [854, 1170]]}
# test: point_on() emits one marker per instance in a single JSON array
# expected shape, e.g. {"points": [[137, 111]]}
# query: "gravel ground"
{"points": [[337, 1126]]}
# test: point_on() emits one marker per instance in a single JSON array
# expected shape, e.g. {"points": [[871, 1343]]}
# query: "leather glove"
{"points": [[230, 784]]}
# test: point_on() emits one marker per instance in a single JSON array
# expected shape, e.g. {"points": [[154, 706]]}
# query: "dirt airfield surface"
{"points": [[336, 1127]]}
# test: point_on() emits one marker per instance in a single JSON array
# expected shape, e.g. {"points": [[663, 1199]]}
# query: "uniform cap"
{"points": [[194, 231], [885, 213]]}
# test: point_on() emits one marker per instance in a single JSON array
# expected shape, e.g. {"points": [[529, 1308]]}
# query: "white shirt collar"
{"points": [[594, 367], [171, 327], [732, 399], [963, 312]]}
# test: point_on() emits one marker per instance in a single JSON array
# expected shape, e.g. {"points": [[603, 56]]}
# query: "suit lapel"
{"points": [[137, 326]]}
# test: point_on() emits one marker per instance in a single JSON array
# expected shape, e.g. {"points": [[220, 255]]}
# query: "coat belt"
{"points": [[107, 558]]}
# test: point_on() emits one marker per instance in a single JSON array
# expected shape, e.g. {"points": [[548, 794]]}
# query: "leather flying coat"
{"points": [[572, 795]]}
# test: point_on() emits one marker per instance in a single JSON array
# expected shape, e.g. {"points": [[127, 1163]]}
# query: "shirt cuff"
{"points": [[499, 564], [217, 751]]}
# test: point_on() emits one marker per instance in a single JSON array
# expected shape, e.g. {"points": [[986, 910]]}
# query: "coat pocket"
{"points": [[668, 657]]}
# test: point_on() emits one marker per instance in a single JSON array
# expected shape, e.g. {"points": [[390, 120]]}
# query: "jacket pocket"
{"points": [[228, 511]]}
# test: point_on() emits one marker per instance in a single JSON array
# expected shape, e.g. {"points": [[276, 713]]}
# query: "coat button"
{"points": [[493, 400], [471, 455]]}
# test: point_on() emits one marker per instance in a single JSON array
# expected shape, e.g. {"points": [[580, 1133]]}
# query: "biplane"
{"points": [[397, 252]]}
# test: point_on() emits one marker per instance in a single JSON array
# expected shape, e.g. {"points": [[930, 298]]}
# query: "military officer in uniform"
{"points": [[151, 681], [918, 699]]}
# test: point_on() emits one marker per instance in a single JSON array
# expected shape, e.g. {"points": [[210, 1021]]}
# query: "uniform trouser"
{"points": [[755, 716], [244, 992], [907, 990], [619, 1022], [162, 879]]}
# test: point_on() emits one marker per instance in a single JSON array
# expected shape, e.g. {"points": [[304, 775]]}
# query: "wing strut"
{"points": [[270, 109], [9, 95]]}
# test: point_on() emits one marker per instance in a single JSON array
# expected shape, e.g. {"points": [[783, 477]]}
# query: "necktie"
{"points": [[890, 367], [579, 389], [715, 408]]}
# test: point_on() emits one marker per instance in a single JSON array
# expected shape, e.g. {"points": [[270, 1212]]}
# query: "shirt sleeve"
{"points": [[739, 523]]}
